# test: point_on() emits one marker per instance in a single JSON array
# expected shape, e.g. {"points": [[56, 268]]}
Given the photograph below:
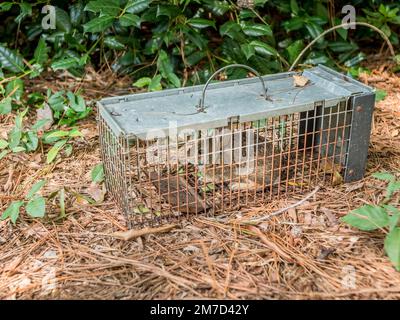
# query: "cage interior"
{"points": [[225, 168]]}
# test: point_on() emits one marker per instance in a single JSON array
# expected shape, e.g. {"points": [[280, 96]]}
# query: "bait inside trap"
{"points": [[224, 146]]}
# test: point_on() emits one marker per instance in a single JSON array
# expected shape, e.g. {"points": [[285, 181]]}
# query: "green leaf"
{"points": [[112, 43], [385, 176], [294, 50], [230, 29], [99, 24], [106, 7], [12, 211], [5, 106], [16, 86], [68, 149], [3, 154], [36, 207], [3, 144], [41, 52], [257, 30], [129, 19], [25, 10], [5, 6], [248, 50], [76, 102], [367, 218], [14, 138], [137, 6], [10, 60], [40, 124], [18, 149], [97, 173], [55, 150], [392, 188], [263, 48], [355, 60], [166, 68], [155, 84], [380, 95], [392, 247], [174, 80], [294, 7], [32, 141], [57, 134], [394, 218], [65, 63], [35, 188], [200, 23], [63, 22], [142, 82], [169, 11]]}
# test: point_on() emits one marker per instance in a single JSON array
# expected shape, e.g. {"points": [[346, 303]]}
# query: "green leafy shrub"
{"points": [[383, 217]]}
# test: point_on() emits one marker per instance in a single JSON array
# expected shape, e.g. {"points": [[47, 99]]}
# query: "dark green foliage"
{"points": [[146, 38]]}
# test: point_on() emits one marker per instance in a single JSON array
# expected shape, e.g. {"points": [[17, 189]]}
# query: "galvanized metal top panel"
{"points": [[150, 115]]}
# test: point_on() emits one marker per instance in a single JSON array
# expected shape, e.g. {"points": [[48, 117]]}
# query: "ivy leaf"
{"points": [[41, 52], [129, 19], [10, 60], [97, 173], [137, 6], [200, 23], [55, 150], [12, 211], [5, 106], [35, 188], [392, 247], [367, 218], [36, 207], [99, 24]]}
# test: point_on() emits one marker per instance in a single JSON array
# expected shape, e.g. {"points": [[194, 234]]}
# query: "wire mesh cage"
{"points": [[224, 146]]}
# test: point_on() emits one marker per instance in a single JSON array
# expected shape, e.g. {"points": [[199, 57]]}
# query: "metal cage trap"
{"points": [[222, 146]]}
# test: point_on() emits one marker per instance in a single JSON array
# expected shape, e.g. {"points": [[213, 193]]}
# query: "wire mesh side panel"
{"points": [[114, 156], [241, 165]]}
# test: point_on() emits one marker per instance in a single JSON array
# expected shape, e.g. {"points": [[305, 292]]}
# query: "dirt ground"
{"points": [[306, 253]]}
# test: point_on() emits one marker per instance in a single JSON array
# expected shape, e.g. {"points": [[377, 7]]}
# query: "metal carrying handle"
{"points": [[201, 107]]}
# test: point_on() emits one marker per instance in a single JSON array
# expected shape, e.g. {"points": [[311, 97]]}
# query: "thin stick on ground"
{"points": [[283, 210], [132, 234]]}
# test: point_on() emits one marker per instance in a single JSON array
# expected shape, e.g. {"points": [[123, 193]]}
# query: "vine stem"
{"points": [[384, 36]]}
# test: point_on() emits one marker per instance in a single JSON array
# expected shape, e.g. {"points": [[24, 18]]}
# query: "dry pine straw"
{"points": [[304, 253]]}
